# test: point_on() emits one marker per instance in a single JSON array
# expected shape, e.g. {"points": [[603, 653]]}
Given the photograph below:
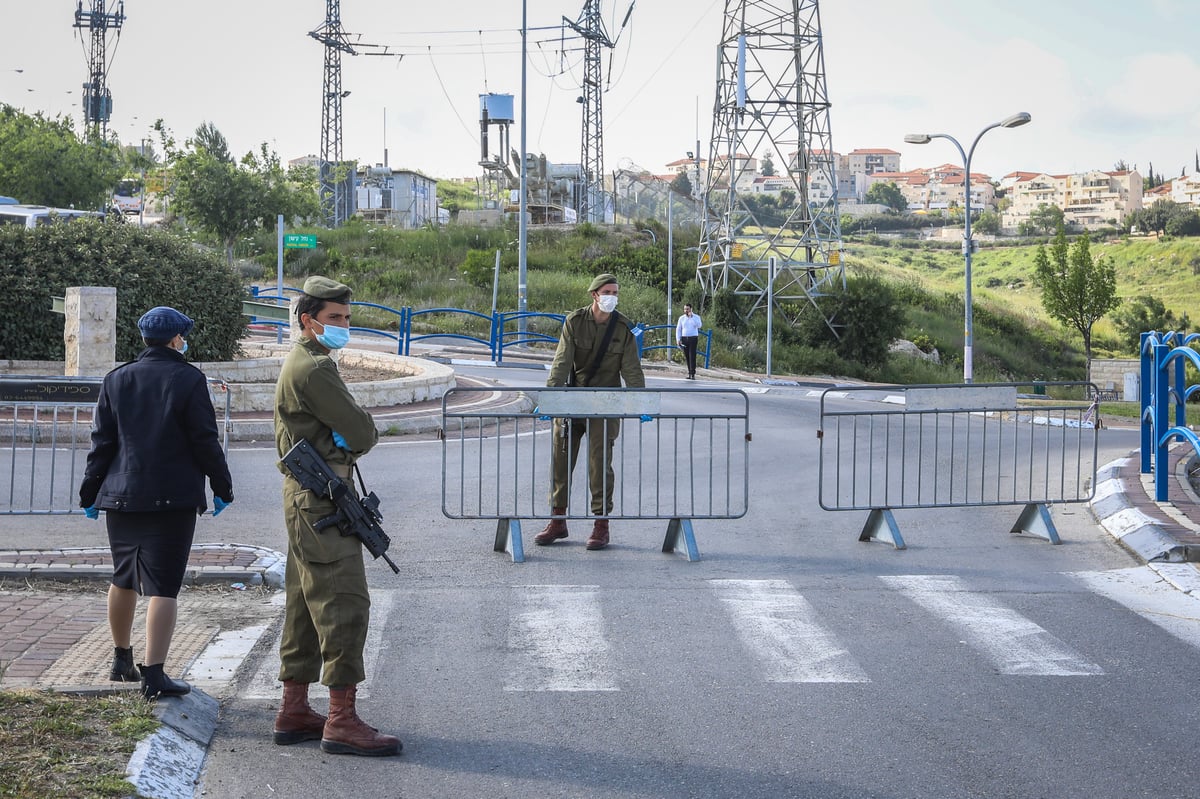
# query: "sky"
{"points": [[1105, 81]]}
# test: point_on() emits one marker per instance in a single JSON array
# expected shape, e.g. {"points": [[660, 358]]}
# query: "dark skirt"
{"points": [[150, 550]]}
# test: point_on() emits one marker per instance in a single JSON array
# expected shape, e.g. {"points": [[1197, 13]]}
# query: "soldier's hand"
{"points": [[645, 417], [340, 441], [92, 512]]}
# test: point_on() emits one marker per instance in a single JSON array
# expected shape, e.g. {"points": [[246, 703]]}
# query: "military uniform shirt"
{"points": [[581, 336]]}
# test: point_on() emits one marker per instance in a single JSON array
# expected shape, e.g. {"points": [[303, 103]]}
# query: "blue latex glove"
{"points": [[219, 505], [646, 418], [541, 416], [92, 512], [341, 442]]}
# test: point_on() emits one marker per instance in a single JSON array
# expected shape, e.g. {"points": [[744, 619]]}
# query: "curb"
{"points": [[1144, 536], [167, 764]]}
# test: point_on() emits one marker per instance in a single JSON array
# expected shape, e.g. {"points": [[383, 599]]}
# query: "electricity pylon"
{"points": [[97, 99], [336, 176], [771, 99]]}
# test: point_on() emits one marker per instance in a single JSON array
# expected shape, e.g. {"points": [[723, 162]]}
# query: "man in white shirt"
{"points": [[687, 333]]}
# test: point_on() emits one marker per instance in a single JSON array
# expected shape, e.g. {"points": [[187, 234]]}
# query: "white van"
{"points": [[31, 216]]}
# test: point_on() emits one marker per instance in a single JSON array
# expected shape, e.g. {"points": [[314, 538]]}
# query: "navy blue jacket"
{"points": [[154, 439]]}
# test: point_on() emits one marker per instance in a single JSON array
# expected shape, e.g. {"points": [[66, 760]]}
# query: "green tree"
{"points": [[987, 222], [768, 166], [1077, 290], [1045, 219], [43, 162], [887, 194], [1143, 314], [216, 193], [868, 315], [681, 184]]}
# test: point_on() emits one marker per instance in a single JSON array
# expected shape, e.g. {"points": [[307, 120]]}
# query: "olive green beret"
{"points": [[324, 289], [601, 281]]}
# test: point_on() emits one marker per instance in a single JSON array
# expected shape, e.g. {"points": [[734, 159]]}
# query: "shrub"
{"points": [[147, 267]]}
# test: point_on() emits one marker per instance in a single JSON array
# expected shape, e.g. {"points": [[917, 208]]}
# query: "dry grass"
{"points": [[67, 745]]}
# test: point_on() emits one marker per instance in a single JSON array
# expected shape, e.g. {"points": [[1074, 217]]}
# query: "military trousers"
{"points": [[568, 436], [327, 605]]}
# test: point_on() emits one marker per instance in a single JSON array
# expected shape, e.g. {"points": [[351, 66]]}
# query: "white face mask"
{"points": [[607, 302]]}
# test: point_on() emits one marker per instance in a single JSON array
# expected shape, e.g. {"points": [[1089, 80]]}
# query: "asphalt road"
{"points": [[791, 661]]}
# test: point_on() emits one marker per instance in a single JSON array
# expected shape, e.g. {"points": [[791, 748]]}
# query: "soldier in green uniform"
{"points": [[327, 603], [583, 334]]}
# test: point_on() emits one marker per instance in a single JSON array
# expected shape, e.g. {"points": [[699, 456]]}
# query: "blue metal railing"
{"points": [[1164, 360], [500, 325], [705, 339]]}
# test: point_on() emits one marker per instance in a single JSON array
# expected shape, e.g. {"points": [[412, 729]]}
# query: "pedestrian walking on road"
{"points": [[687, 334], [154, 440], [597, 348], [327, 605]]}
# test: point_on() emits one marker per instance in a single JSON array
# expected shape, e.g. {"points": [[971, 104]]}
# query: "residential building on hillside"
{"points": [[1186, 190], [1090, 200], [868, 161], [938, 188], [696, 171]]}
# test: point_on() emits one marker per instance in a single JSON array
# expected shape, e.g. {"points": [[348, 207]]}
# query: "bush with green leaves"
{"points": [[868, 317], [147, 267]]}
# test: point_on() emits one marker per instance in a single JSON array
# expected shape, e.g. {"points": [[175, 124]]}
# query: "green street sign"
{"points": [[299, 241]]}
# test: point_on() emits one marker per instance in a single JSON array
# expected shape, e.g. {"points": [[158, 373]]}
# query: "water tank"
{"points": [[499, 107]]}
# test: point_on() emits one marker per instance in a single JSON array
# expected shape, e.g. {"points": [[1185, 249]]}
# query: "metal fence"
{"points": [[884, 448], [669, 462], [1165, 388], [45, 435]]}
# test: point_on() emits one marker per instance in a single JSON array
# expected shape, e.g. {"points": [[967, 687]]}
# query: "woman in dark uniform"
{"points": [[154, 440]]}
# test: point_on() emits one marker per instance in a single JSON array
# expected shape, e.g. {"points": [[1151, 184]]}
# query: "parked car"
{"points": [[31, 216]]}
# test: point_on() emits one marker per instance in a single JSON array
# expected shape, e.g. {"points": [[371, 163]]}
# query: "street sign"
{"points": [[299, 241]]}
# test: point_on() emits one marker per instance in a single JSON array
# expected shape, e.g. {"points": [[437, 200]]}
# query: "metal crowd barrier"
{"points": [[884, 448], [45, 429], [669, 463]]}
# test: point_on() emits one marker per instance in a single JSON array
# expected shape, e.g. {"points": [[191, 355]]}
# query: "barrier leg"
{"points": [[677, 529], [508, 539], [881, 526], [1035, 520]]}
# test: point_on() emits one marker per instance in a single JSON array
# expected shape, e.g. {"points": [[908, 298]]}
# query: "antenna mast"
{"points": [[97, 99], [771, 99]]}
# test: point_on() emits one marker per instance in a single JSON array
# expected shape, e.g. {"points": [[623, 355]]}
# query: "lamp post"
{"points": [[1014, 121]]}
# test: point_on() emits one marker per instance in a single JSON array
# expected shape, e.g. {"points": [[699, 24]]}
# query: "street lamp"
{"points": [[1014, 121]]}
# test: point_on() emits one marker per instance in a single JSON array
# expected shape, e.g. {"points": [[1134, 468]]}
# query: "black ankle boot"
{"points": [[123, 669], [156, 684]]}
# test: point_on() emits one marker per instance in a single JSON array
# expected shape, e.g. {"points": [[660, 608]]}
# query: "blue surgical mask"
{"points": [[182, 351], [334, 337]]}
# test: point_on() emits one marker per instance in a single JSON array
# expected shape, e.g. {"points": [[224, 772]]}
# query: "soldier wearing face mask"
{"points": [[583, 334], [327, 605]]}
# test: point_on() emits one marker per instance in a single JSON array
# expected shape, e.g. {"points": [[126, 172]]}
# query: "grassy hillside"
{"points": [[1002, 275], [1013, 338]]}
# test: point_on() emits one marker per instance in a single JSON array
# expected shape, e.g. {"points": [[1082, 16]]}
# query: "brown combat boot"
{"points": [[347, 734], [599, 537], [556, 529], [296, 721]]}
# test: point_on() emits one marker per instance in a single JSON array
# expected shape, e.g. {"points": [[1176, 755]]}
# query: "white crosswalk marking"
{"points": [[556, 641], [1015, 644], [265, 682], [1150, 596], [780, 627]]}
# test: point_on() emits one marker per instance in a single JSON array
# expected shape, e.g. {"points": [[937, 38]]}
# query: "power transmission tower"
{"points": [[771, 99], [97, 99], [336, 176], [591, 156]]}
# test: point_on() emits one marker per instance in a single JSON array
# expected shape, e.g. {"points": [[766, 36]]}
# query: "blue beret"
{"points": [[164, 322]]}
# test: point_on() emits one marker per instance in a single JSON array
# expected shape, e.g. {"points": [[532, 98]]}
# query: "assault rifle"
{"points": [[354, 516]]}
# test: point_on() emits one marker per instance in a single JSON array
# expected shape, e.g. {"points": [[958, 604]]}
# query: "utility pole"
{"points": [[97, 99]]}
